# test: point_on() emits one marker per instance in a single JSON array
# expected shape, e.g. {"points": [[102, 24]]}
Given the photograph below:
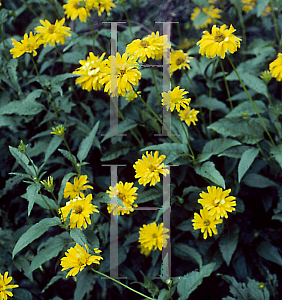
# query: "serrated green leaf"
{"points": [[254, 83], [78, 236], [59, 79], [208, 170], [183, 250], [200, 19], [68, 156], [35, 232], [12, 71], [115, 154], [258, 181], [192, 280], [32, 192], [247, 107], [163, 294], [246, 161], [52, 147], [269, 252], [148, 195], [228, 244], [85, 281], [255, 292], [86, 144], [276, 151]]}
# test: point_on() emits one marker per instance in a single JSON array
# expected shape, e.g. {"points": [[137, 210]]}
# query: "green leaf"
{"points": [[12, 71], [78, 236], [85, 281], [246, 161], [208, 170], [115, 154], [192, 280], [215, 147], [237, 289], [247, 107], [52, 147], [23, 161], [255, 292], [163, 294], [258, 181], [63, 185], [32, 192], [228, 244], [148, 195], [68, 156], [26, 107], [22, 294], [254, 83], [86, 144], [60, 79], [49, 249], [277, 217], [183, 250], [200, 19], [261, 5], [35, 232], [269, 252], [39, 200], [276, 151]]}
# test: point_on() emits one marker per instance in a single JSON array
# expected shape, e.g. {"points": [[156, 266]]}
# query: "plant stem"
{"points": [[243, 31], [102, 274], [73, 161], [210, 93], [155, 83], [128, 20], [252, 101], [226, 84], [275, 24], [3, 41], [187, 138]]}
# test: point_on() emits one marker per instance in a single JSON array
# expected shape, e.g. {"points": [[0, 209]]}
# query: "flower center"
{"points": [[77, 209], [51, 29], [151, 168], [76, 188], [207, 222], [29, 47], [144, 44], [180, 61], [155, 236], [121, 196], [219, 36], [121, 72]]}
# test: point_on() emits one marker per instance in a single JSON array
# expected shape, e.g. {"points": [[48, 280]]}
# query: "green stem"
{"points": [[187, 138], [3, 41], [53, 213], [243, 30], [275, 24], [128, 20], [252, 101], [210, 93], [275, 113], [155, 83], [102, 274], [72, 158], [226, 84], [60, 209]]}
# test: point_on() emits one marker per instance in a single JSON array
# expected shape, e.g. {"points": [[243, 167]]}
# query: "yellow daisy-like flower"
{"points": [[74, 190], [78, 8], [127, 194], [127, 74], [276, 67], [174, 99], [149, 168], [211, 11], [153, 237], [205, 222], [77, 258], [53, 33], [189, 115], [103, 5], [144, 250], [81, 209], [218, 42], [5, 286], [247, 7], [151, 46], [28, 45], [92, 71], [217, 202], [179, 60]]}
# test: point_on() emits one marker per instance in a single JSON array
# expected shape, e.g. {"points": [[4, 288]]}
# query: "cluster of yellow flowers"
{"points": [[216, 203]]}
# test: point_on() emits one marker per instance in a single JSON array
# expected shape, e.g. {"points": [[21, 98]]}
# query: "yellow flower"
{"points": [[149, 168], [217, 202], [130, 96], [81, 209], [211, 11], [218, 42], [151, 46], [28, 45], [102, 5], [92, 71], [246, 7], [4, 286], [153, 237], [144, 250], [179, 60], [77, 258], [59, 130], [74, 190], [189, 115], [127, 194], [174, 99], [205, 222], [49, 33], [77, 8], [127, 74], [276, 67]]}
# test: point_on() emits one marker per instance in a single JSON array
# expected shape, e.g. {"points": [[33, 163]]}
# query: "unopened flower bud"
{"points": [[59, 131], [245, 115], [261, 286], [22, 147], [48, 184]]}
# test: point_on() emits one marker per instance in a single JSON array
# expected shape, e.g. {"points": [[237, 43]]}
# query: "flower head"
{"points": [[144, 250], [77, 8], [91, 72], [127, 194], [74, 190], [153, 237], [80, 210], [217, 202], [189, 115], [48, 184], [49, 33], [212, 12], [77, 258], [121, 73], [205, 222], [130, 96], [149, 168], [276, 67], [59, 130], [266, 76], [179, 60], [28, 45], [4, 286], [151, 46], [218, 42], [102, 5], [174, 99]]}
